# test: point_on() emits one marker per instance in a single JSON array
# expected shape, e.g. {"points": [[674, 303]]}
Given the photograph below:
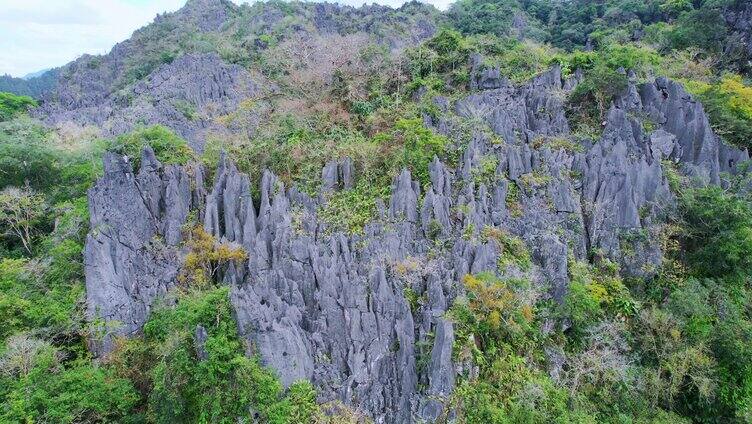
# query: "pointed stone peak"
{"points": [[208, 15], [207, 4]]}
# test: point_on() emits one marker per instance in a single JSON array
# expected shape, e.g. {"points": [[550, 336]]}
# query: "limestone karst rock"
{"points": [[331, 307]]}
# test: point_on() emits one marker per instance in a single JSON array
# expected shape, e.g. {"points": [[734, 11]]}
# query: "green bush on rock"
{"points": [[168, 147]]}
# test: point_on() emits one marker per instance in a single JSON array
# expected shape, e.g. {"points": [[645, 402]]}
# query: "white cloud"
{"points": [[39, 34]]}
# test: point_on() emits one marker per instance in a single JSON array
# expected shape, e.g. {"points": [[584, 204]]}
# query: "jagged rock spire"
{"points": [[208, 15]]}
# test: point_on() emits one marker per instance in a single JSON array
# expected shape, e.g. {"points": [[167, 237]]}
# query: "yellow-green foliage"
{"points": [[514, 251], [739, 95], [558, 143], [512, 199], [535, 179], [492, 314], [206, 256], [485, 172], [728, 103], [36, 385], [672, 175], [350, 210], [296, 149], [496, 330], [512, 391], [11, 105], [603, 80], [681, 367], [439, 63], [603, 284], [595, 291], [517, 60], [421, 145]]}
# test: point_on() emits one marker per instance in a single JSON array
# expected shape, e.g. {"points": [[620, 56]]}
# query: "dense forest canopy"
{"points": [[387, 90]]}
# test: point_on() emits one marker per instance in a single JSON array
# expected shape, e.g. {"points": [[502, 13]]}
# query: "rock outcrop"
{"points": [[332, 308], [132, 256], [738, 46], [185, 95], [696, 148]]}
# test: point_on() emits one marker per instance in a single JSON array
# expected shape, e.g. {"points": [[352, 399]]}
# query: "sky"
{"points": [[42, 34]]}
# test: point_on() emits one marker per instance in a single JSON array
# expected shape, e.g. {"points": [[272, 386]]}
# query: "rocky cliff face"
{"points": [[738, 48], [185, 95], [331, 307], [126, 88]]}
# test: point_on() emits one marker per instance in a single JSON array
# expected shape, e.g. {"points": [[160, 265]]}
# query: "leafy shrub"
{"points": [[517, 60], [33, 155], [493, 17], [168, 147], [439, 63], [186, 108], [605, 79], [206, 257], [485, 172], [699, 335], [677, 368], [13, 276], [223, 387], [514, 251], [494, 315], [718, 233], [630, 57], [37, 387], [450, 47], [350, 210], [297, 149], [728, 103], [514, 392], [26, 154], [594, 291], [558, 143], [421, 145], [703, 28], [590, 100]]}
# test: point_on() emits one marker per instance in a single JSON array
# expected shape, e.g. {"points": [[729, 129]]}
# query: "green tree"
{"points": [[26, 154], [37, 387], [718, 233], [11, 105], [20, 211]]}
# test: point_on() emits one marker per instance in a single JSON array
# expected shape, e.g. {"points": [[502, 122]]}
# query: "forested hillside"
{"points": [[508, 212], [34, 86]]}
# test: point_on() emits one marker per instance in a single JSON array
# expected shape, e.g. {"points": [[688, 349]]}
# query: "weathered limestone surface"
{"points": [[332, 308]]}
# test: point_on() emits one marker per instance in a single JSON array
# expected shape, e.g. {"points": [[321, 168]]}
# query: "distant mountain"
{"points": [[36, 74]]}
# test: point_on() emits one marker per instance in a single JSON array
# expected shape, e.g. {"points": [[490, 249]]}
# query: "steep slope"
{"points": [[105, 91], [189, 67]]}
